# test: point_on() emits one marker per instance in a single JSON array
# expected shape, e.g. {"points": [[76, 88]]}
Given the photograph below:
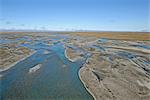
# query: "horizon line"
{"points": [[71, 30]]}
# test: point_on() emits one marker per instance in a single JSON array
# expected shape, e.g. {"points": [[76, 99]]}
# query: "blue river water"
{"points": [[57, 79]]}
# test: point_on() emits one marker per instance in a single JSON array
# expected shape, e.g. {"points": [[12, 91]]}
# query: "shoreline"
{"points": [[67, 55], [13, 64], [79, 74], [72, 60]]}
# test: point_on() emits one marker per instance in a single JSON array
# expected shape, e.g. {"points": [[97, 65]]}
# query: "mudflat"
{"points": [[119, 65]]}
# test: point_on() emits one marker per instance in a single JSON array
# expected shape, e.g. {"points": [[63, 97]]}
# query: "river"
{"points": [[56, 79]]}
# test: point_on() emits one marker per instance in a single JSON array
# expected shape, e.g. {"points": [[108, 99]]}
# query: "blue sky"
{"points": [[105, 15]]}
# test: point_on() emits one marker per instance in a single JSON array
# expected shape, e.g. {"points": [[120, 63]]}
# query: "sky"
{"points": [[102, 15]]}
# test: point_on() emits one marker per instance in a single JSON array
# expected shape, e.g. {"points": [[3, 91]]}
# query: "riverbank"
{"points": [[71, 55], [66, 55], [14, 63], [79, 72]]}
